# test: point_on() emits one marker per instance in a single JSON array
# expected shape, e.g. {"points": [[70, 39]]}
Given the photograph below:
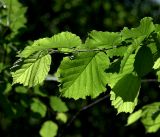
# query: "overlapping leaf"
{"points": [[83, 76], [125, 92], [127, 59], [33, 70], [145, 28], [149, 116], [143, 61], [61, 40], [99, 39], [38, 107]]}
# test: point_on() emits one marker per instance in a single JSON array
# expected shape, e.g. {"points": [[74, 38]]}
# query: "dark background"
{"points": [[48, 17]]}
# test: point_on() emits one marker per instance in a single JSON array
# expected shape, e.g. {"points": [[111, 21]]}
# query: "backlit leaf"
{"points": [[99, 39], [134, 117], [48, 129], [38, 107], [151, 117], [33, 70], [84, 75], [61, 40], [145, 28], [57, 104]]}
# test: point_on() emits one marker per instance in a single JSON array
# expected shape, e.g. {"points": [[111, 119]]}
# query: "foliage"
{"points": [[106, 62]]}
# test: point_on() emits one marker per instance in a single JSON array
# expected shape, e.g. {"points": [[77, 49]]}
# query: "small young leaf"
{"points": [[62, 117], [48, 129], [134, 117], [99, 39], [84, 75], [38, 107], [57, 104], [143, 61], [125, 92], [61, 40], [33, 70]]}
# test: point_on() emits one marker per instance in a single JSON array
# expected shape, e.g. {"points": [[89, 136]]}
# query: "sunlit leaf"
{"points": [[131, 48], [145, 28], [38, 107], [157, 64], [57, 104], [61, 40], [151, 117], [99, 39], [84, 75], [134, 117], [33, 70], [62, 117], [49, 129]]}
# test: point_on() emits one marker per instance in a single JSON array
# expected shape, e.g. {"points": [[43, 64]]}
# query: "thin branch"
{"points": [[80, 50], [82, 109]]}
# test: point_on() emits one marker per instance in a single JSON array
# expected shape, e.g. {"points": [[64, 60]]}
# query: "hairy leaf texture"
{"points": [[145, 28], [125, 92], [61, 40], [84, 75], [33, 70], [99, 39]]}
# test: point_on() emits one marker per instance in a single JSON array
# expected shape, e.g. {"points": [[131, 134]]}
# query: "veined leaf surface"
{"points": [[83, 76], [99, 39], [145, 28], [61, 40], [33, 70]]}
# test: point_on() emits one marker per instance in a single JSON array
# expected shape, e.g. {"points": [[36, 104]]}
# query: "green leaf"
{"points": [[99, 39], [134, 117], [57, 104], [125, 92], [145, 29], [157, 64], [84, 75], [151, 117], [21, 89], [143, 61], [116, 51], [126, 63], [158, 74], [33, 70], [16, 19], [62, 117], [38, 107], [61, 40], [49, 129]]}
